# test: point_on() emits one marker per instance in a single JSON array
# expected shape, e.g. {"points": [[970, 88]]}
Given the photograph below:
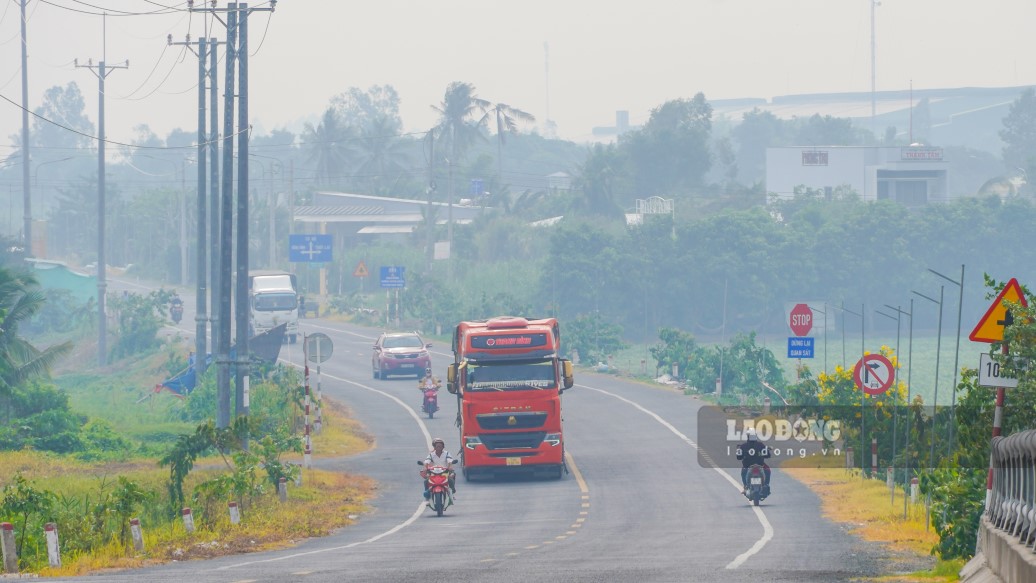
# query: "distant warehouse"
{"points": [[909, 175]]}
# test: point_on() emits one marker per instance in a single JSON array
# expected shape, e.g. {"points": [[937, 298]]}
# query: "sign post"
{"points": [[990, 328]]}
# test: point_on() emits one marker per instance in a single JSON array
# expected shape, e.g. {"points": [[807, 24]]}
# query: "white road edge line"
{"points": [[417, 513], [767, 527]]}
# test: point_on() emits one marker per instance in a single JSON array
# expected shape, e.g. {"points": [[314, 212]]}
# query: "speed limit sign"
{"points": [[991, 374]]}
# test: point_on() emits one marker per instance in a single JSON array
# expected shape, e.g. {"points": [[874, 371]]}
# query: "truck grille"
{"points": [[523, 440], [516, 420]]}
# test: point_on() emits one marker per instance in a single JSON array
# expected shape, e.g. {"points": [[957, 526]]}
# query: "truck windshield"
{"points": [[511, 376], [269, 302]]}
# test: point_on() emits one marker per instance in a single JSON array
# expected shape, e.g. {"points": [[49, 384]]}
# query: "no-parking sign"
{"points": [[874, 374]]}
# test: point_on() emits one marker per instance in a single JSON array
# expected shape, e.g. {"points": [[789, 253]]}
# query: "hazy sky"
{"points": [[604, 55]]}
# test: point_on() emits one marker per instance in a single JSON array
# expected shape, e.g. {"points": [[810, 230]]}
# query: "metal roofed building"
{"points": [[355, 216]]}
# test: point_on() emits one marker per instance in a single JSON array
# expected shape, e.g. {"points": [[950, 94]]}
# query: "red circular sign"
{"points": [[878, 375], [801, 320]]}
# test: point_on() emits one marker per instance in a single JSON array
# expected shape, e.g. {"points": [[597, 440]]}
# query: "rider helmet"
{"points": [[750, 434], [438, 440]]}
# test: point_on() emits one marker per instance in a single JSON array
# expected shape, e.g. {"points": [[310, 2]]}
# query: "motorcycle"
{"points": [[757, 490], [430, 404], [176, 311], [437, 482]]}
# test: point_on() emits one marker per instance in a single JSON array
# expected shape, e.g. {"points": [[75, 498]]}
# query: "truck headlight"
{"points": [[554, 439], [472, 442]]}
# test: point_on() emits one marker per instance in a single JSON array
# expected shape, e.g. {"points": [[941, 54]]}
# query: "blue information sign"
{"points": [[309, 248], [800, 347], [392, 276]]}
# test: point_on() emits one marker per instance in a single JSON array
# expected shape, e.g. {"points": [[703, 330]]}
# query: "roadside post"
{"points": [[138, 536], [990, 329], [7, 545], [53, 547]]}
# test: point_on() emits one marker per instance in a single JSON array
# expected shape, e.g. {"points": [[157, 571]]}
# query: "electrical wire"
{"points": [[269, 17], [108, 11], [116, 143]]}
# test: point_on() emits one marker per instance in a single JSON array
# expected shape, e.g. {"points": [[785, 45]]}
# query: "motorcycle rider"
{"points": [[753, 452], [440, 457], [428, 382], [175, 304]]}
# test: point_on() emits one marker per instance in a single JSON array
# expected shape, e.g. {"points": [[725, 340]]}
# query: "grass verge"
{"points": [[326, 501], [867, 507]]}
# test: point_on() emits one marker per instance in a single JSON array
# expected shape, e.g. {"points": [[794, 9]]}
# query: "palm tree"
{"points": [[382, 151], [459, 107], [328, 145], [21, 299], [507, 119]]}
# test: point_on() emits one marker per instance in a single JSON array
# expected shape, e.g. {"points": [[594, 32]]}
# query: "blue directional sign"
{"points": [[800, 347], [309, 248], [477, 187], [392, 276]]}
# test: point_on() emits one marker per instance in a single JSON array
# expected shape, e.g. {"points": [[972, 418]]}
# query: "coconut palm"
{"points": [[328, 146], [20, 299], [462, 114], [506, 118], [383, 153]]}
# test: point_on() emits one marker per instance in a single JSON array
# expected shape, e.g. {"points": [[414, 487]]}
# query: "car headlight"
{"points": [[553, 439]]}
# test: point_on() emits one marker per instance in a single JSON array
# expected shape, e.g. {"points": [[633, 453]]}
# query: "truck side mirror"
{"points": [[567, 378], [451, 379]]}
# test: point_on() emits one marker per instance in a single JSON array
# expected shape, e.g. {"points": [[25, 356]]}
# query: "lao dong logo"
{"points": [[783, 430]]}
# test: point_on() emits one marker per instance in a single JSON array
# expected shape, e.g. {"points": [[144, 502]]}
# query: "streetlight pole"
{"points": [[863, 393], [910, 357], [938, 353], [895, 399], [956, 355]]}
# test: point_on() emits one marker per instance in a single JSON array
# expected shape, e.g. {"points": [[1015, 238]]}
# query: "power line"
{"points": [[107, 141], [108, 11]]}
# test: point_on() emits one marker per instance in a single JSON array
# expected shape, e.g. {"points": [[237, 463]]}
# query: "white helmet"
{"points": [[438, 440], [750, 434]]}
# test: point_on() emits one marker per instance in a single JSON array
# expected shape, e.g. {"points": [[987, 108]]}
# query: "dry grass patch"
{"points": [[867, 508]]}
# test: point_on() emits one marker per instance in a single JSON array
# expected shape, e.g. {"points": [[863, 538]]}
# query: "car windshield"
{"points": [[402, 342], [511, 376], [271, 301]]}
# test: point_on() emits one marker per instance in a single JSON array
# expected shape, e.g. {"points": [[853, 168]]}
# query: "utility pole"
{"points": [[214, 189], [430, 216], [26, 189], [237, 51], [102, 325], [201, 298], [242, 305]]}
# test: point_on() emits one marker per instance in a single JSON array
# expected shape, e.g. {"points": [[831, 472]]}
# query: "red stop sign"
{"points": [[801, 320]]}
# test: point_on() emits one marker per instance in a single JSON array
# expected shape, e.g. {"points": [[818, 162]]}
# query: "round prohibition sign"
{"points": [[874, 374]]}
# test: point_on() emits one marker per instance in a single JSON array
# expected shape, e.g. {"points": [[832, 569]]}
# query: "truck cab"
{"points": [[274, 300], [508, 377]]}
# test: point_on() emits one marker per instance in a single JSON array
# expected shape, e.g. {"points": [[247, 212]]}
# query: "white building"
{"points": [[911, 176]]}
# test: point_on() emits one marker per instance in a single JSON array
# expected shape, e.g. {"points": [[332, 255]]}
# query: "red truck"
{"points": [[508, 377]]}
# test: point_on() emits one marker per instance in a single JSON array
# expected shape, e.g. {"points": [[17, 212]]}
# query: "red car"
{"points": [[400, 353]]}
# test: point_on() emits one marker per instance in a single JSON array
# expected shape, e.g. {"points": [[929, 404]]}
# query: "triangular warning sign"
{"points": [[991, 327], [361, 270]]}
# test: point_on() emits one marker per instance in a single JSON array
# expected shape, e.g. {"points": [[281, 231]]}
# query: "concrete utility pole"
{"points": [[201, 297], [242, 305], [214, 181], [237, 50], [26, 189], [102, 325]]}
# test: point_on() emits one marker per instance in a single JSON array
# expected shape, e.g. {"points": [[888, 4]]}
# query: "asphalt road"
{"points": [[636, 505]]}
